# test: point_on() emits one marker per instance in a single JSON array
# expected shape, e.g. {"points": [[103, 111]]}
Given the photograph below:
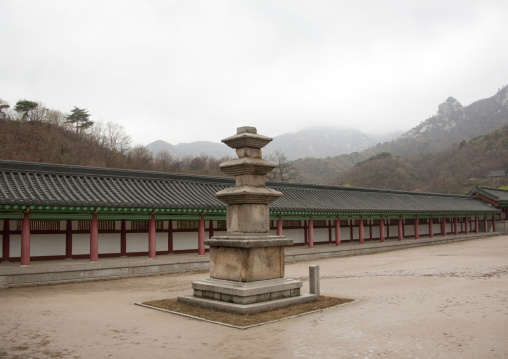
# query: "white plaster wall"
{"points": [[448, 227], [423, 229], [345, 234], [356, 233], [47, 245], [409, 230], [15, 245], [321, 235], [394, 231], [137, 242], [80, 243], [161, 241], [436, 228], [375, 232], [297, 235], [109, 242], [473, 225], [185, 240]]}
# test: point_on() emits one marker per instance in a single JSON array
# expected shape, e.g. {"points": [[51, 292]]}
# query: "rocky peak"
{"points": [[450, 107], [502, 96], [448, 115]]}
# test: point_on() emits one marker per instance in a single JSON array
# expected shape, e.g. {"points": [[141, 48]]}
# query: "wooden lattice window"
{"points": [[320, 223], [291, 223], [106, 225], [143, 225], [187, 225], [83, 225], [41, 225], [139, 225], [220, 225]]}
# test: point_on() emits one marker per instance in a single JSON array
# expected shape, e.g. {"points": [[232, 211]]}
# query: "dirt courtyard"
{"points": [[445, 301]]}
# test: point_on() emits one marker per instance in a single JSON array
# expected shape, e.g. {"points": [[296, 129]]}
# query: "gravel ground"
{"points": [[446, 301]]}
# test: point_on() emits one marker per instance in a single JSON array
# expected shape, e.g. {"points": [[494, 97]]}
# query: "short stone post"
{"points": [[314, 280]]}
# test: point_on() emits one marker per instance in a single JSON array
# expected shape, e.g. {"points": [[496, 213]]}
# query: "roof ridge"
{"points": [[78, 170], [359, 189]]}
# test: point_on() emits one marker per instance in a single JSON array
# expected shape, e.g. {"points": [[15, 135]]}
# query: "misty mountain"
{"points": [[193, 149], [311, 142], [323, 142]]}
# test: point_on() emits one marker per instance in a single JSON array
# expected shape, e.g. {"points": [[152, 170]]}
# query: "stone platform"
{"points": [[248, 297]]}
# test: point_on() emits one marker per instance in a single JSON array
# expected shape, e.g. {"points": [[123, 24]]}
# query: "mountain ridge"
{"points": [[451, 124]]}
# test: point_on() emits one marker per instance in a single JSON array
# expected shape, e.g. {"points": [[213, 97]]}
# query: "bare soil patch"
{"points": [[247, 320]]}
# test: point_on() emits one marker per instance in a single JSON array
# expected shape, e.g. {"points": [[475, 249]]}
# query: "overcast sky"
{"points": [[184, 71]]}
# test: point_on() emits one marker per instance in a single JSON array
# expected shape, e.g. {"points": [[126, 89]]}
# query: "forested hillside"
{"points": [[478, 161], [38, 134]]}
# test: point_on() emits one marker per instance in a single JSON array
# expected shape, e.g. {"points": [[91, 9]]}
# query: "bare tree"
{"points": [[4, 108], [116, 138], [164, 162], [55, 117], [285, 170], [140, 158]]}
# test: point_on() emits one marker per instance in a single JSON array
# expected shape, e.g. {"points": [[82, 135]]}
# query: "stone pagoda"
{"points": [[247, 264]]}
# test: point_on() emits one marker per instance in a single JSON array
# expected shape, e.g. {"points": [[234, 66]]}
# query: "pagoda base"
{"points": [[249, 297], [247, 258]]}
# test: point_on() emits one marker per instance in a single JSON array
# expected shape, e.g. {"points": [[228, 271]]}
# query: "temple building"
{"points": [[495, 196], [56, 212]]}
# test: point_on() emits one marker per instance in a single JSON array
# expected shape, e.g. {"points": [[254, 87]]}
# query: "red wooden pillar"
{"points": [[6, 241], [401, 230], [485, 224], [417, 230], [493, 223], [201, 236], [123, 237], [152, 251], [361, 233], [443, 227], [68, 239], [170, 236], [431, 227], [279, 226], [311, 232], [337, 231], [94, 239], [476, 222], [467, 225], [382, 230], [456, 224], [25, 240]]}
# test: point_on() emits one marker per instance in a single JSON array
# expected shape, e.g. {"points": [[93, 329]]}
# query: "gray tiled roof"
{"points": [[24, 183], [495, 194]]}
